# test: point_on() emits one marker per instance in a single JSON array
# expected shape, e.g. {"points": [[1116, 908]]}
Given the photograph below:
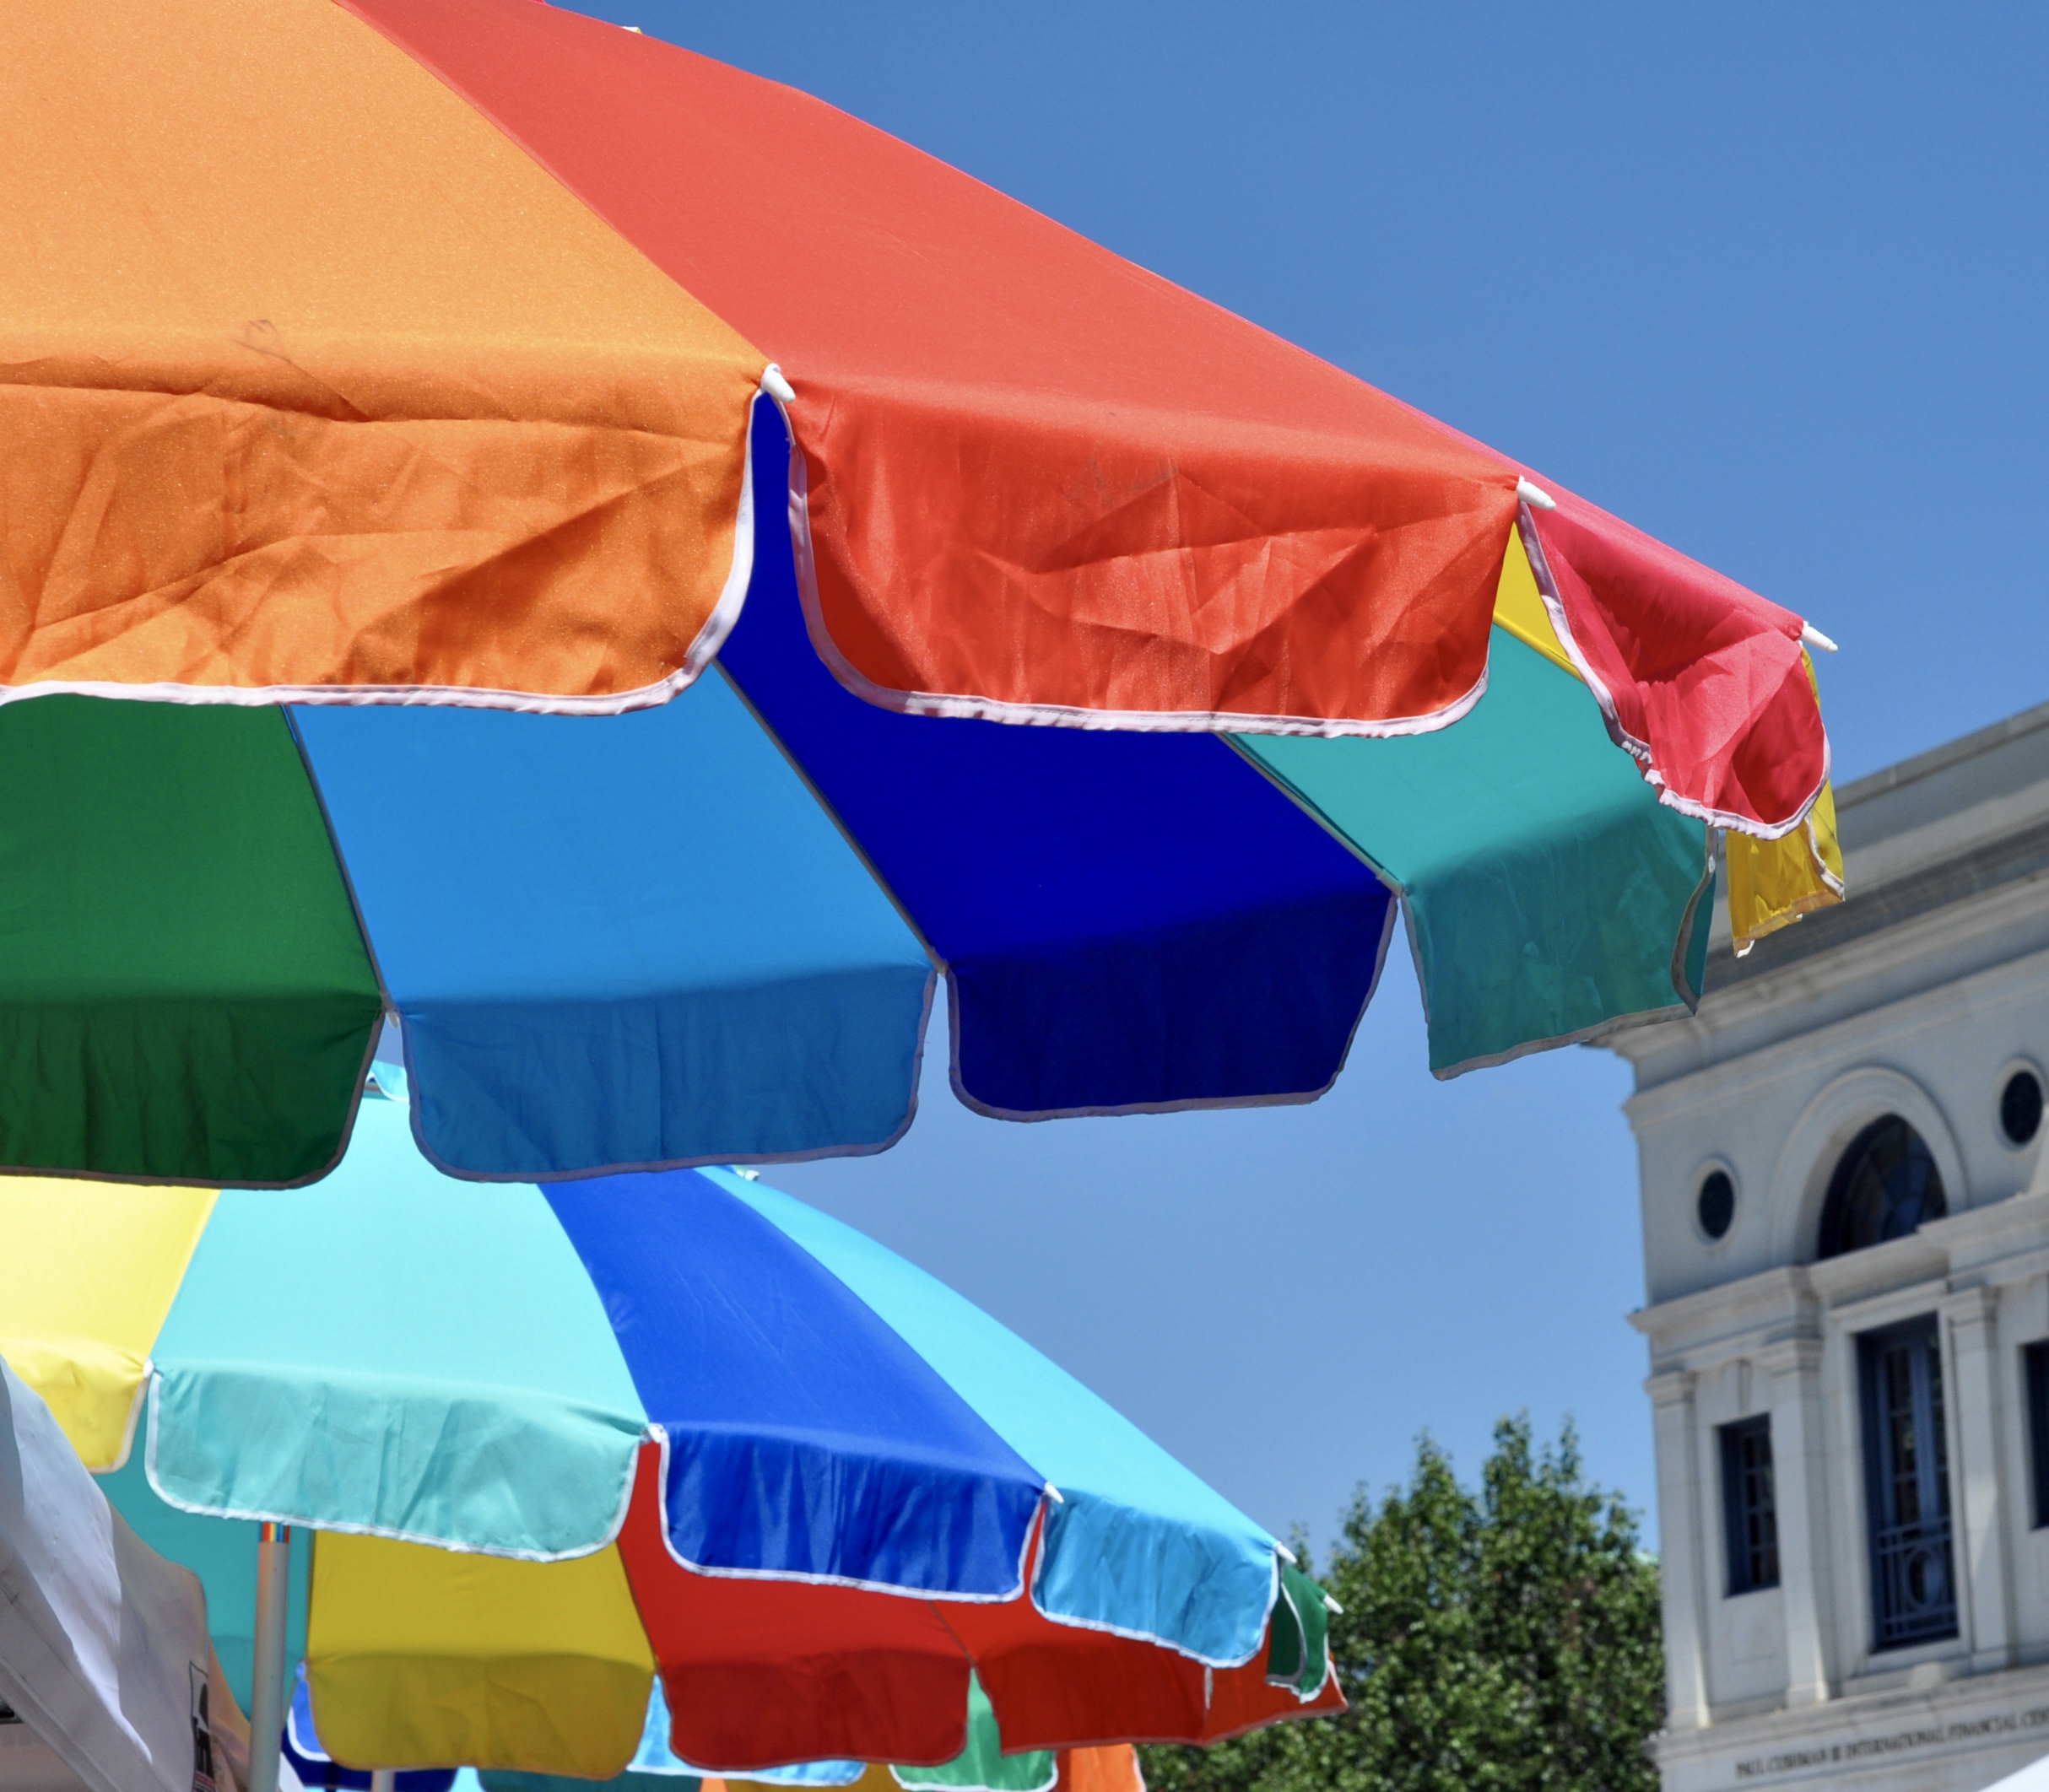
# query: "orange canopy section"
{"points": [[312, 384]]}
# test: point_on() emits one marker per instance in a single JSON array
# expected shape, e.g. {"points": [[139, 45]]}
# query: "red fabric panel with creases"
{"points": [[1040, 476], [765, 1673], [1706, 678], [1705, 681], [1053, 1685], [759, 1673]]}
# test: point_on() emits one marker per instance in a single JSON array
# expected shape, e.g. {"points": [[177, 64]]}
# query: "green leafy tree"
{"points": [[1499, 1640]]}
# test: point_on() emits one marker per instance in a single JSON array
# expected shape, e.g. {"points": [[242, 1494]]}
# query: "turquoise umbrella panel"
{"points": [[1591, 899], [475, 1351]]}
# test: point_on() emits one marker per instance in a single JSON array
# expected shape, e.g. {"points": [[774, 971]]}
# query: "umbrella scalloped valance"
{"points": [[288, 418]]}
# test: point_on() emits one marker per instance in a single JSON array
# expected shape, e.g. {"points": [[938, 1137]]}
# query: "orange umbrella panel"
{"points": [[312, 383]]}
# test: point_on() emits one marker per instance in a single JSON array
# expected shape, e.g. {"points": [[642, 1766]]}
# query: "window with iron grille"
{"points": [[1749, 1509], [1907, 1480]]}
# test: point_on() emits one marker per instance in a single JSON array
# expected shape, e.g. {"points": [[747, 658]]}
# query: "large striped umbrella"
{"points": [[406, 362], [555, 1441]]}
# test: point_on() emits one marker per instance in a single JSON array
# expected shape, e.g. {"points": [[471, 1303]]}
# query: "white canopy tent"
{"points": [[106, 1673]]}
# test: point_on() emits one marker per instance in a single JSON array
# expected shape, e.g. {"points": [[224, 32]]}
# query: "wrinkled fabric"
{"points": [[766, 1673], [344, 396], [855, 1460], [315, 1767], [1704, 682], [1134, 1540], [427, 1658], [474, 1396], [1772, 883], [1040, 478], [1040, 483], [88, 1274], [311, 382], [839, 1451]]}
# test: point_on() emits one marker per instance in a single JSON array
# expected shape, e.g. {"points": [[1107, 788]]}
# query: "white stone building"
{"points": [[1846, 1206]]}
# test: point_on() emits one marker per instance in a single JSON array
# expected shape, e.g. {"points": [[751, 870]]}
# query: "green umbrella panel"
{"points": [[1547, 892]]}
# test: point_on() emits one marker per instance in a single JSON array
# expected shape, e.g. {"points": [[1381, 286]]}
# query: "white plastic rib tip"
{"points": [[1286, 1554], [1815, 638], [1055, 1493], [1332, 1604], [1535, 495], [777, 387]]}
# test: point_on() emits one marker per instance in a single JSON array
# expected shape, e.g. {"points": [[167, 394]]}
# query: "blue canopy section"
{"points": [[1136, 1544], [1129, 922], [806, 1438], [619, 941]]}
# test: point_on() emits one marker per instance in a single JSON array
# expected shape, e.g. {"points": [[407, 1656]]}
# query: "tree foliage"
{"points": [[1504, 1639]]}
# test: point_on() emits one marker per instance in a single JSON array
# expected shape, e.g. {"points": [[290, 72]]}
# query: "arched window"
{"points": [[1886, 1184]]}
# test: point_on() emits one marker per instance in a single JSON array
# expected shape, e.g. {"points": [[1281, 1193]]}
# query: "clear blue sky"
{"points": [[1768, 283]]}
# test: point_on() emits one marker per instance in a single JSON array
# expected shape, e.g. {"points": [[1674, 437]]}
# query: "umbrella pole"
{"points": [[266, 1701], [383, 1779]]}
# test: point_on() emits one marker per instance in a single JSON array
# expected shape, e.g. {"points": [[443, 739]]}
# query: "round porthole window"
{"points": [[1715, 1206], [2020, 1107]]}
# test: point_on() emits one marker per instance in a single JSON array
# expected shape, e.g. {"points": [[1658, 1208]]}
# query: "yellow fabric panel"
{"points": [[1518, 607], [308, 372], [420, 1658], [88, 1272], [1773, 882]]}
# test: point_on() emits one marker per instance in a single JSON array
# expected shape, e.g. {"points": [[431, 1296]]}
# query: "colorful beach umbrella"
{"points": [[547, 366], [556, 1440]]}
